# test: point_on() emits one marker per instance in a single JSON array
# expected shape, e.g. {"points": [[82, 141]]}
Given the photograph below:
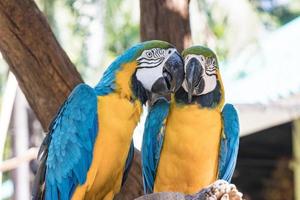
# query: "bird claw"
{"points": [[225, 191], [219, 190]]}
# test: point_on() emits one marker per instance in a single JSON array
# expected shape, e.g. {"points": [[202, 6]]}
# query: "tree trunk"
{"points": [[42, 68], [133, 186], [167, 20]]}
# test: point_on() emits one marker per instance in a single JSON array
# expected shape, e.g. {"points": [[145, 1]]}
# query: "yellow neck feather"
{"points": [[222, 100], [123, 79]]}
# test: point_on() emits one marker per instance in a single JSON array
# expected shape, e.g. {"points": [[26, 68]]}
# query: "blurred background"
{"points": [[258, 46]]}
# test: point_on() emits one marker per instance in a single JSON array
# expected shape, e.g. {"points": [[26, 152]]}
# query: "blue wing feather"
{"points": [[230, 143], [73, 133], [152, 142]]}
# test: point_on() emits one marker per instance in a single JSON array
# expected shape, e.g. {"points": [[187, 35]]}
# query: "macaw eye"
{"points": [[169, 52], [202, 58], [149, 54], [214, 62]]}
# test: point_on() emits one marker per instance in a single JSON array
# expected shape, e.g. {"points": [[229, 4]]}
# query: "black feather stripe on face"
{"points": [[138, 90], [211, 99], [146, 63]]}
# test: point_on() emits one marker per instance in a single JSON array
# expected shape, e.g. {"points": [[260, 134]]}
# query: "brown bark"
{"points": [[42, 68], [166, 20], [133, 186]]}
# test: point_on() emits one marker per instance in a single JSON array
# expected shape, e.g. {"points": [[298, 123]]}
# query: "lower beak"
{"points": [[161, 86], [160, 90], [153, 98], [190, 88]]}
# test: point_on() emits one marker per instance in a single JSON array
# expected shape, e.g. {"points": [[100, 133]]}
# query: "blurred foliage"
{"points": [[48, 9], [68, 26], [215, 23], [275, 13], [121, 29], [77, 27], [72, 20], [255, 17], [216, 26]]}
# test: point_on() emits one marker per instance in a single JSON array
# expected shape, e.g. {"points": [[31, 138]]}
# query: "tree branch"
{"points": [[167, 20], [42, 68], [14, 162]]}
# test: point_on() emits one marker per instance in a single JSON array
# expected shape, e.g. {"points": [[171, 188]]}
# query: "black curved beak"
{"points": [[174, 71], [192, 75], [172, 79]]}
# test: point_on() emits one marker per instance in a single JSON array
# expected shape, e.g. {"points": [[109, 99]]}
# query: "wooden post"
{"points": [[5, 112], [22, 185], [296, 163]]}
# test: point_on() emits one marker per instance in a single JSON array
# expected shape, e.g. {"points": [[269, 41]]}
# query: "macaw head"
{"points": [[148, 71], [160, 68], [202, 81], [158, 71]]}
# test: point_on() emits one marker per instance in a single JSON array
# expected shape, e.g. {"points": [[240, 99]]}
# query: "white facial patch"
{"points": [[150, 65], [148, 76], [210, 83]]}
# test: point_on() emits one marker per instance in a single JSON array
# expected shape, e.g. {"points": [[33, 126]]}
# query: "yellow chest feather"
{"points": [[189, 157], [117, 118]]}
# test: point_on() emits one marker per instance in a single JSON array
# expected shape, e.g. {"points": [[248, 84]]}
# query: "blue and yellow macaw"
{"points": [[88, 151], [194, 141]]}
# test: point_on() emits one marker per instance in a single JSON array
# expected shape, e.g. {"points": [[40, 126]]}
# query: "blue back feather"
{"points": [[152, 142], [73, 134], [230, 144]]}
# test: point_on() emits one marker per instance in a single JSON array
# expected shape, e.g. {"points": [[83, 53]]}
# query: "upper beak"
{"points": [[192, 76], [172, 79], [173, 71]]}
